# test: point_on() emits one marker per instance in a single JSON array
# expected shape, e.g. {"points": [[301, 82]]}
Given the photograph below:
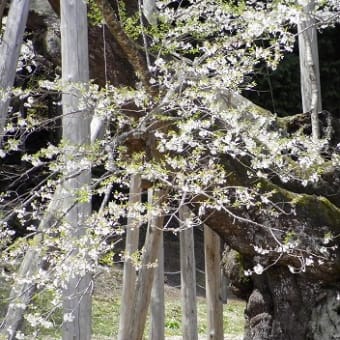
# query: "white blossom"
{"points": [[258, 269]]}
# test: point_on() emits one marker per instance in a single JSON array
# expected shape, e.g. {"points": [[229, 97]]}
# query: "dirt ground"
{"points": [[226, 337]]}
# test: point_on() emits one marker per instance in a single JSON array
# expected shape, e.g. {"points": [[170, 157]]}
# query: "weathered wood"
{"points": [[129, 272], [309, 67], [150, 11], [23, 289], [2, 9], [9, 53], [224, 287], [76, 133], [213, 279], [24, 286], [188, 277], [20, 295], [146, 273], [157, 306]]}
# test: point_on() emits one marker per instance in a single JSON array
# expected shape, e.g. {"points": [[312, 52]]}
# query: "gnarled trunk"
{"points": [[286, 306]]}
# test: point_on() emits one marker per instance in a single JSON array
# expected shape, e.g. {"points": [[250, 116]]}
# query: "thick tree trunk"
{"points": [[282, 305], [286, 306]]}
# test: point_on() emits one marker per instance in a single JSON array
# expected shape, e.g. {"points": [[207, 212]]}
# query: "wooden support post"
{"points": [[212, 250], [309, 66], [129, 272], [146, 273], [9, 53], [188, 277], [77, 294], [157, 294]]}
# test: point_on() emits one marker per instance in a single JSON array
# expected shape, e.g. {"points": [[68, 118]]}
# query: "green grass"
{"points": [[106, 317], [106, 306]]}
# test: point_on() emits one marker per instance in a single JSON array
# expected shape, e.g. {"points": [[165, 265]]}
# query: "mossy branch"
{"points": [[318, 211]]}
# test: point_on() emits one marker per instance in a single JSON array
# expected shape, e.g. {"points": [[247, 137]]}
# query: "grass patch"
{"points": [[106, 312], [233, 317], [106, 317]]}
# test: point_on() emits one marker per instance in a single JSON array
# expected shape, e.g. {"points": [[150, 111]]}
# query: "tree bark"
{"points": [[275, 298], [284, 306], [274, 306], [76, 134], [10, 48]]}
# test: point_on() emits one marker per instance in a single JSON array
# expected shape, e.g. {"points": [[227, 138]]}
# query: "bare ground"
{"points": [[226, 337]]}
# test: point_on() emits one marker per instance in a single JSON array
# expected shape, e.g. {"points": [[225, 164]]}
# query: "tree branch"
{"points": [[130, 49]]}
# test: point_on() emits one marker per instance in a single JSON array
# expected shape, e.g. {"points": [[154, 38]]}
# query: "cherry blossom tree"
{"points": [[172, 113]]}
